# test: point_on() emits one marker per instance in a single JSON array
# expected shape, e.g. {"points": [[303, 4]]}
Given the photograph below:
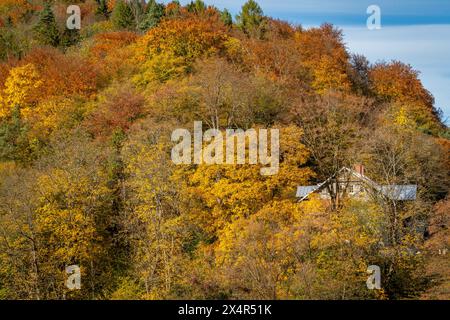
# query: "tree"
{"points": [[15, 11], [46, 31], [122, 15], [437, 245], [251, 20], [12, 43], [323, 52], [196, 7], [232, 191], [70, 37], [102, 8], [153, 15], [155, 220], [116, 113], [219, 106], [394, 155], [171, 48], [21, 89], [14, 141], [137, 8], [56, 214], [399, 84], [360, 74], [60, 73], [86, 175], [226, 17], [173, 8], [332, 128]]}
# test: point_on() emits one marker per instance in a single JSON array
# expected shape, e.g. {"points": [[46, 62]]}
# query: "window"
{"points": [[351, 189]]}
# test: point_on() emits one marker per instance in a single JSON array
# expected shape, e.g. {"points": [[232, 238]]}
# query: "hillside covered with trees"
{"points": [[86, 176]]}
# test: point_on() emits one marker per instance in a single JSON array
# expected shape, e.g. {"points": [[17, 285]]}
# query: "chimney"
{"points": [[359, 168]]}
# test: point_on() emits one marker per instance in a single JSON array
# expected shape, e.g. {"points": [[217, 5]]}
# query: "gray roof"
{"points": [[304, 191], [394, 192], [400, 192]]}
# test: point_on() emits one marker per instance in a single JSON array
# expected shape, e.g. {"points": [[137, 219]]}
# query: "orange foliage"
{"points": [[445, 145], [105, 43], [15, 8], [279, 58], [323, 53], [277, 55], [112, 52], [172, 8], [399, 83], [279, 29], [189, 38], [4, 71], [63, 74], [111, 4]]}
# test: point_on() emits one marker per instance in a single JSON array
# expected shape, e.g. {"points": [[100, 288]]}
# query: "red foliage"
{"points": [[63, 74], [117, 112]]}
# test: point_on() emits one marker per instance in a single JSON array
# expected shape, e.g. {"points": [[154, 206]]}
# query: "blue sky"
{"points": [[413, 31]]}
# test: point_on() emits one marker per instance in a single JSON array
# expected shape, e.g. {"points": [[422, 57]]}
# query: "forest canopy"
{"points": [[86, 177]]}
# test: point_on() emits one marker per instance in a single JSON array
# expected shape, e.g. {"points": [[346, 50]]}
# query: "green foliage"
{"points": [[14, 144], [251, 20], [226, 17], [70, 37], [12, 43], [196, 7], [46, 31], [153, 15], [102, 8], [122, 15]]}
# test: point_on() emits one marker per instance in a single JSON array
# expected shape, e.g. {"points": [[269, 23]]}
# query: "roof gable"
{"points": [[393, 192]]}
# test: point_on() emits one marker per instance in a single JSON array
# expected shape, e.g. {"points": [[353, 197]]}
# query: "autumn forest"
{"points": [[86, 176]]}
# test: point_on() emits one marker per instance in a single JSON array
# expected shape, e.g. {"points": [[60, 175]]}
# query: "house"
{"points": [[354, 183]]}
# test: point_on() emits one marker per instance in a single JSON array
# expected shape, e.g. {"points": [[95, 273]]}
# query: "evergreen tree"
{"points": [[226, 18], [70, 37], [10, 44], [102, 8], [251, 20], [46, 31], [122, 16], [154, 13], [196, 7], [137, 8]]}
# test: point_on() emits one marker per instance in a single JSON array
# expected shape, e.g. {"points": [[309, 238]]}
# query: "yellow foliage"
{"points": [[403, 119], [160, 68], [21, 88], [173, 45]]}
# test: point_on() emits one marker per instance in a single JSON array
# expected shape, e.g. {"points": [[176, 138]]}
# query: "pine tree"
{"points": [[226, 17], [154, 13], [122, 15], [196, 7], [102, 8], [137, 8], [46, 31], [70, 37], [251, 19]]}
